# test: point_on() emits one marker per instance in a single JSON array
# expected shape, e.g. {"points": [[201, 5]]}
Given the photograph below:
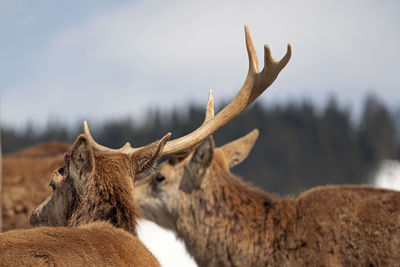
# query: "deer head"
{"points": [[95, 186], [187, 178]]}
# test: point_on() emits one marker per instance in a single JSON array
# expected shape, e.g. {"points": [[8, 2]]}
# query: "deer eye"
{"points": [[52, 185], [61, 170], [160, 177]]}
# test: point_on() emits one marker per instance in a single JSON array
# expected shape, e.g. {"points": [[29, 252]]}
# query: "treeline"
{"points": [[298, 147]]}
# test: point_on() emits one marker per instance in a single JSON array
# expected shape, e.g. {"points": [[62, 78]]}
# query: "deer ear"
{"points": [[144, 159], [195, 170], [237, 151], [81, 163]]}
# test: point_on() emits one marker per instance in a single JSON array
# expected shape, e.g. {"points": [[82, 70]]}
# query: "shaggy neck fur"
{"points": [[108, 195], [221, 219]]}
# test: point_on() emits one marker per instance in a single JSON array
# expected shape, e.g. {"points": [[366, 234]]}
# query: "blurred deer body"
{"points": [[25, 181], [226, 222]]}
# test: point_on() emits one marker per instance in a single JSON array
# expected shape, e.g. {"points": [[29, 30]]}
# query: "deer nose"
{"points": [[33, 219]]}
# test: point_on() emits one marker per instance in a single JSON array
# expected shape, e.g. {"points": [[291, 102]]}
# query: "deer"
{"points": [[96, 183], [224, 221], [25, 180]]}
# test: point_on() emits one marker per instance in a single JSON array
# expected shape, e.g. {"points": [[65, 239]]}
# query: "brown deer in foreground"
{"points": [[94, 187], [94, 244], [226, 222]]}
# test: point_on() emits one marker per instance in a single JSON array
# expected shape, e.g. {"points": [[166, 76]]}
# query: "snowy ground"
{"points": [[164, 245], [388, 175]]}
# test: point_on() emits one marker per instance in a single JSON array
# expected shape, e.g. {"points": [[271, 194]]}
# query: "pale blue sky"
{"points": [[75, 60]]}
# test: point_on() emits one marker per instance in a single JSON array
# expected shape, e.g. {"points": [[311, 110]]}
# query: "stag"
{"points": [[224, 221], [98, 186]]}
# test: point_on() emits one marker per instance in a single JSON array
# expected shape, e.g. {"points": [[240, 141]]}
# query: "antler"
{"points": [[210, 107], [255, 84]]}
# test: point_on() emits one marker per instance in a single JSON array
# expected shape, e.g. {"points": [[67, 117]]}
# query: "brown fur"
{"points": [[25, 181], [108, 196], [226, 222], [96, 244]]}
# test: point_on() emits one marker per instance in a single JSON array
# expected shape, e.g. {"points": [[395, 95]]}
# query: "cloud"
{"points": [[147, 54]]}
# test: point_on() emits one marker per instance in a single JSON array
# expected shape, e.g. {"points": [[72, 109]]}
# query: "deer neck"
{"points": [[225, 211]]}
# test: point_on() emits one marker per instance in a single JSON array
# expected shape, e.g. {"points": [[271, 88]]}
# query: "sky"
{"points": [[93, 60]]}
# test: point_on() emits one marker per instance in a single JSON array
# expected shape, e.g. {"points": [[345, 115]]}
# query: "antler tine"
{"points": [[255, 84], [270, 71], [251, 52], [210, 107], [127, 148]]}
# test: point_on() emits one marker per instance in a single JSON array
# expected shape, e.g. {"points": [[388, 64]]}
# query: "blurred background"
{"points": [[138, 69]]}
